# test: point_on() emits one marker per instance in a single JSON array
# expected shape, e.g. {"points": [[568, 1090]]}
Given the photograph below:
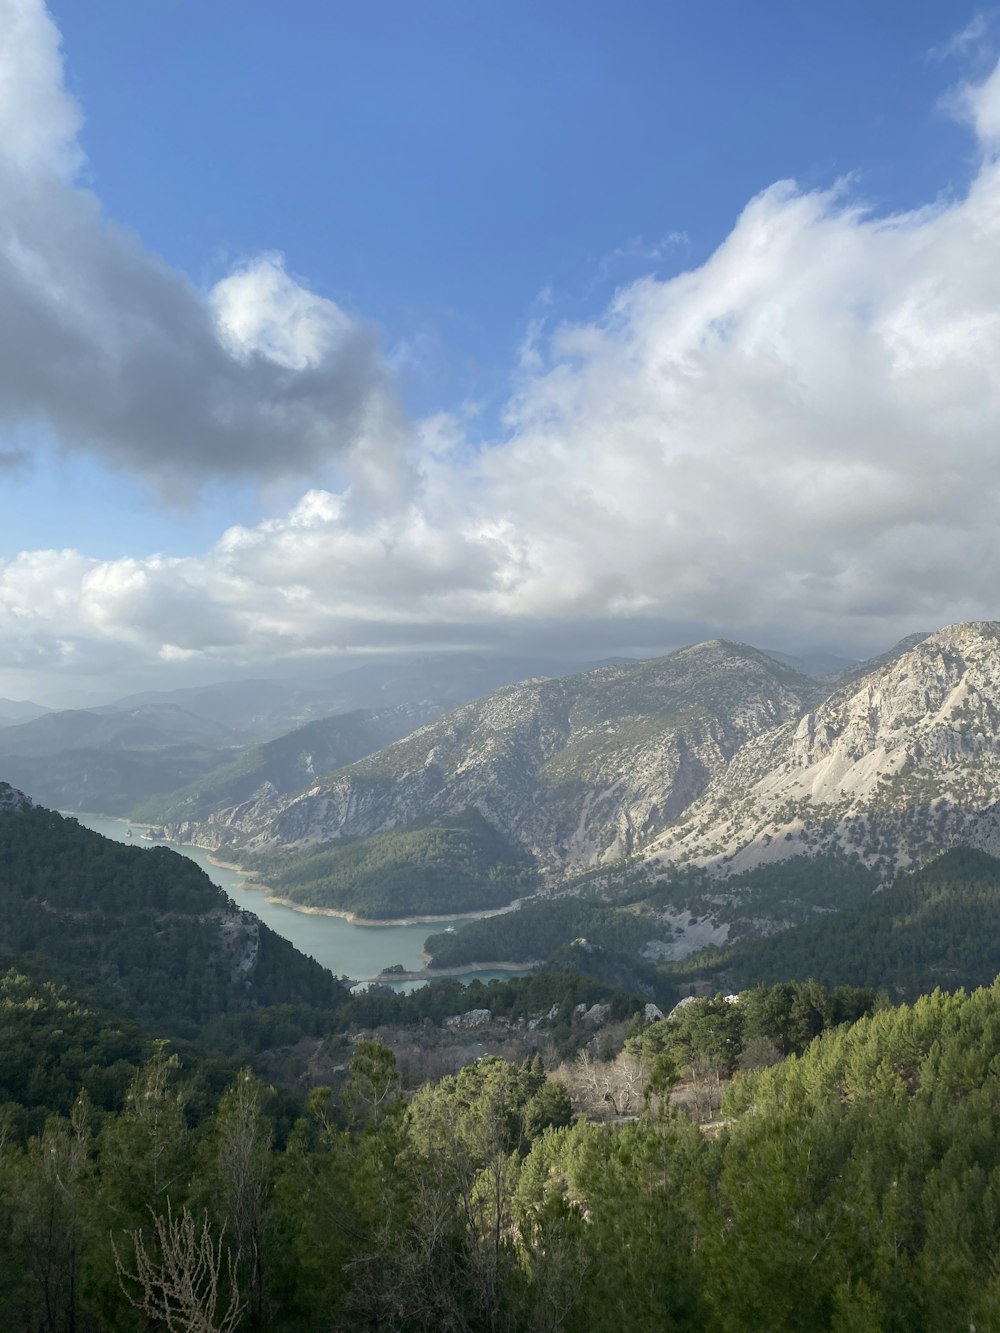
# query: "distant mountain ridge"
{"points": [[285, 765], [116, 757], [262, 710], [79, 759], [718, 758], [578, 770], [19, 710]]}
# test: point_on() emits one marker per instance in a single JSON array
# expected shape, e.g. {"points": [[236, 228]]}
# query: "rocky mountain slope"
{"points": [[578, 771], [892, 767], [285, 765]]}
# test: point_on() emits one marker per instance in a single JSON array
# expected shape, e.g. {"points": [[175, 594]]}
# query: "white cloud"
{"points": [[122, 356], [967, 38], [40, 120], [797, 441], [261, 311]]}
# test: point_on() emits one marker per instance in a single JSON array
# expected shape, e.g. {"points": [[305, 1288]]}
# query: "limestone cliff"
{"points": [[892, 767]]}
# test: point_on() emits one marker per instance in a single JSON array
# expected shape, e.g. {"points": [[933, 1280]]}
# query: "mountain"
{"points": [[446, 678], [857, 670], [818, 665], [146, 727], [577, 771], [144, 923], [107, 761], [19, 710], [285, 765], [888, 769], [117, 757]]}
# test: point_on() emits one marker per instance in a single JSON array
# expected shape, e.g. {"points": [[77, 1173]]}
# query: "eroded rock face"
{"points": [[891, 767], [580, 771], [472, 1018]]}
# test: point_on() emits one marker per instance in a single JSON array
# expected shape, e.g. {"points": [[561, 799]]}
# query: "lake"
{"points": [[346, 949]]}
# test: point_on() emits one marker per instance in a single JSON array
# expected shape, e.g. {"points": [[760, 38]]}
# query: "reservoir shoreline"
{"points": [[356, 948], [253, 881]]}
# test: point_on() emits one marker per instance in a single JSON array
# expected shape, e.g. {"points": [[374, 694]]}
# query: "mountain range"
{"points": [[719, 761], [580, 770], [111, 758]]}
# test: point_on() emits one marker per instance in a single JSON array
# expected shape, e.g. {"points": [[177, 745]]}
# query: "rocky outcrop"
{"points": [[892, 767]]}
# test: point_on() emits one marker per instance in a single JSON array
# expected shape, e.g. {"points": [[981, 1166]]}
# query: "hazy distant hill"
{"points": [[262, 710], [107, 761], [148, 726], [113, 758], [251, 710], [19, 710], [285, 765]]}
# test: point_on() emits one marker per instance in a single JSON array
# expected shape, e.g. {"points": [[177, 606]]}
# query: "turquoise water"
{"points": [[347, 950]]}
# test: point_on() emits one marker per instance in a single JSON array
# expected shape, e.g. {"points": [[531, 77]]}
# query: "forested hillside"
{"points": [[481, 1201], [938, 926], [144, 923], [455, 865]]}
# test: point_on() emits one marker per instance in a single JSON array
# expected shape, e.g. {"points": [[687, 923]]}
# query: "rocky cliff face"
{"points": [[891, 767], [579, 771]]}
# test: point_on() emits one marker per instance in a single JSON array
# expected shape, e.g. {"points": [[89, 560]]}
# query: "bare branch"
{"points": [[183, 1290]]}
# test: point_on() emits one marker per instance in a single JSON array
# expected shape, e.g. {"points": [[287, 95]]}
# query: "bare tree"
{"points": [[186, 1288], [608, 1088]]}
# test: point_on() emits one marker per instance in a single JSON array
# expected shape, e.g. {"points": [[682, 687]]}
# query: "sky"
{"points": [[551, 330]]}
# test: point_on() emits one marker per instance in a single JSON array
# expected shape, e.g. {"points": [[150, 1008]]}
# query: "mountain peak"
{"points": [[966, 634], [892, 766]]}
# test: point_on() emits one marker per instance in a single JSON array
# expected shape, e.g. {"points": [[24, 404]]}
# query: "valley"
{"points": [[638, 812], [359, 951]]}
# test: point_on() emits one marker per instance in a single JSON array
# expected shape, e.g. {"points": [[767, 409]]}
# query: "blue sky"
{"points": [[371, 284], [436, 167]]}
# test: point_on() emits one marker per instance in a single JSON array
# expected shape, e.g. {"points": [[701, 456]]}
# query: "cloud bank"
{"points": [[797, 442], [111, 351]]}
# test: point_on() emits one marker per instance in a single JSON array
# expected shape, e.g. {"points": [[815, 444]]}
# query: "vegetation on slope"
{"points": [[455, 865], [939, 925], [851, 1189], [146, 923], [616, 914]]}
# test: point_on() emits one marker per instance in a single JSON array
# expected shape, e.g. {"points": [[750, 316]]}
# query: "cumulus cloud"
{"points": [[116, 353], [796, 442]]}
